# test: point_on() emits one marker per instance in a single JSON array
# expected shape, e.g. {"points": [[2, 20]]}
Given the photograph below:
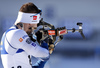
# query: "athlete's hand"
{"points": [[39, 36]]}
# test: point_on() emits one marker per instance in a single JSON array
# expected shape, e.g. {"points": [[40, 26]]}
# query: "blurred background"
{"points": [[73, 51]]}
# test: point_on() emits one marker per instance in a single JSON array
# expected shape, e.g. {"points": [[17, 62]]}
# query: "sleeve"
{"points": [[21, 40]]}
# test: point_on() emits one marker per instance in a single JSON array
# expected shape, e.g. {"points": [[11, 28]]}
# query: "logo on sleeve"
{"points": [[33, 44], [20, 39], [28, 40], [25, 36]]}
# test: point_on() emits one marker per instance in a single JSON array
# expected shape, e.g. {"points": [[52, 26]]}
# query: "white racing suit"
{"points": [[16, 46]]}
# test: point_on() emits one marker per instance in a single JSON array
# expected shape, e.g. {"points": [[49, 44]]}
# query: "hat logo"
{"points": [[34, 17]]}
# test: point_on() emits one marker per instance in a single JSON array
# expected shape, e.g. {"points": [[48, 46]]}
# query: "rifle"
{"points": [[53, 32]]}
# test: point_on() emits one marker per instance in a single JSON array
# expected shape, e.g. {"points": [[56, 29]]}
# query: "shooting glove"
{"points": [[39, 36]]}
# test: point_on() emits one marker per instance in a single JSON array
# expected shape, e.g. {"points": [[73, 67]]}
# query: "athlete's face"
{"points": [[29, 27]]}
